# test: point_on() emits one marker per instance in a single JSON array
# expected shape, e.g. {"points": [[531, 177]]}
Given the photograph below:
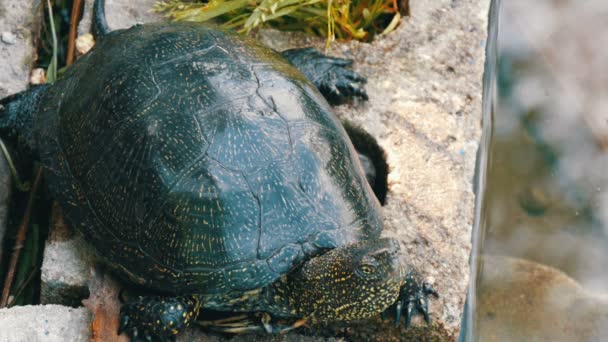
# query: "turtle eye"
{"points": [[368, 266], [368, 269]]}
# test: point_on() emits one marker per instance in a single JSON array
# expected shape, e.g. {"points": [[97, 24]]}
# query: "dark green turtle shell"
{"points": [[197, 161]]}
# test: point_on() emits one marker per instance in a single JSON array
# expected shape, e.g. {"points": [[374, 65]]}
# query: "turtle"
{"points": [[210, 171]]}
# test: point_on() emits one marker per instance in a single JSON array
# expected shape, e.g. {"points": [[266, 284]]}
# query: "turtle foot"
{"points": [[413, 299], [154, 318], [330, 75]]}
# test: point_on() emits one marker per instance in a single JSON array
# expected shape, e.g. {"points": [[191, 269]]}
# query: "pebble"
{"points": [[38, 76], [9, 37], [84, 43]]}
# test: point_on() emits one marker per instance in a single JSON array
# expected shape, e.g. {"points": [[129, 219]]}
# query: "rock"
{"points": [[49, 323], [84, 43], [120, 14], [65, 266], [16, 20], [520, 300], [126, 13], [8, 38], [64, 273], [38, 76]]}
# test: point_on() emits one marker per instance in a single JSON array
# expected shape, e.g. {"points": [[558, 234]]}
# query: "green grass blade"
{"points": [[51, 73]]}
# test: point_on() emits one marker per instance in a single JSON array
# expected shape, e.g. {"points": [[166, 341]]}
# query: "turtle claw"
{"points": [[124, 324], [259, 323], [330, 75], [413, 299]]}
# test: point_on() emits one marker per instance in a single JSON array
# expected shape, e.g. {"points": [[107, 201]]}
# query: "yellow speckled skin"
{"points": [[345, 284], [351, 283]]}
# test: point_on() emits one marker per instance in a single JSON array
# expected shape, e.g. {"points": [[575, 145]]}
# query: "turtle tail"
{"points": [[17, 116], [100, 24]]}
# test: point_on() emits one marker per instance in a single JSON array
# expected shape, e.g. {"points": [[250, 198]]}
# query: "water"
{"points": [[540, 241]]}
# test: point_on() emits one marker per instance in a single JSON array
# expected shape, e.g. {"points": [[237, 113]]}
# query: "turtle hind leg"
{"points": [[372, 158], [157, 318], [330, 75]]}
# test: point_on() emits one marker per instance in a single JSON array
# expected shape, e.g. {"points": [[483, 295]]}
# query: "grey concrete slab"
{"points": [[44, 323], [65, 271]]}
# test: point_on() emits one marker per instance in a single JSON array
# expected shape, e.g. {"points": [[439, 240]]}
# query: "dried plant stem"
{"points": [[21, 234], [21, 186], [404, 7], [23, 285], [76, 9]]}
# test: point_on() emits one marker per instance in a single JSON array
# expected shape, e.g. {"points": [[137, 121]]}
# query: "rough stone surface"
{"points": [[120, 14], [525, 299], [66, 264], [48, 323], [425, 108], [17, 20], [8, 38], [65, 272]]}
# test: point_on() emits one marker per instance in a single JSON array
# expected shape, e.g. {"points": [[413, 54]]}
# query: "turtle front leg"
{"points": [[413, 299], [153, 318], [330, 75]]}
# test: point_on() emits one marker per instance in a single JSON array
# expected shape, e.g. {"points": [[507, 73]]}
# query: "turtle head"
{"points": [[347, 283]]}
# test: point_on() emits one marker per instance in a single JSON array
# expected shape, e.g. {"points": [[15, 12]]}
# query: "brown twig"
{"points": [[76, 9], [21, 234], [404, 8]]}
